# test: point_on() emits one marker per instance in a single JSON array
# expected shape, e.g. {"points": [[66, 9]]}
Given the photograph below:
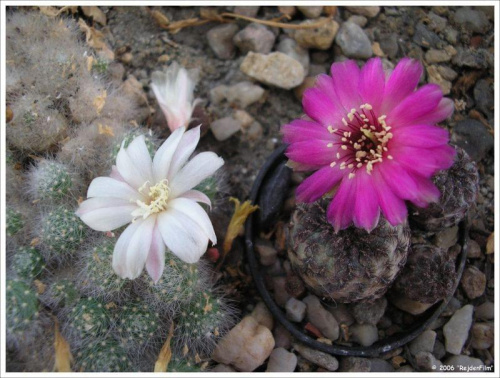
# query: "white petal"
{"points": [[129, 171], [196, 213], [138, 248], [120, 251], [139, 154], [197, 196], [163, 157], [184, 150], [155, 262], [182, 235], [105, 214], [115, 174], [195, 171], [109, 187]]}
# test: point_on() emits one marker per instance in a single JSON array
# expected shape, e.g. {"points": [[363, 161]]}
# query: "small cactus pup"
{"points": [[88, 319], [102, 355], [22, 307], [51, 179], [428, 277], [129, 136], [60, 293], [13, 220], [458, 186], [28, 263], [351, 265]]}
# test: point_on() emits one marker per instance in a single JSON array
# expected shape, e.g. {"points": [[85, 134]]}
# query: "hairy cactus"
{"points": [[350, 266], [14, 221], [60, 293], [28, 263], [62, 232], [458, 186], [183, 365], [22, 306], [88, 319], [102, 355], [149, 138], [51, 179]]}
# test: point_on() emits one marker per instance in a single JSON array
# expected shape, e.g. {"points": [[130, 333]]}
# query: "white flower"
{"points": [[157, 198], [174, 91]]}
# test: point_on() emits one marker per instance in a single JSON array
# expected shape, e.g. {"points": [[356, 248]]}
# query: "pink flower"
{"points": [[158, 200], [372, 141]]}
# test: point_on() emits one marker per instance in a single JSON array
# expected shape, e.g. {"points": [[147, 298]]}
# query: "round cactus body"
{"points": [[351, 265], [210, 187], [61, 293], [129, 137], [51, 179], [89, 318], [183, 365], [102, 355], [14, 221], [458, 187], [22, 306], [136, 325], [28, 263]]}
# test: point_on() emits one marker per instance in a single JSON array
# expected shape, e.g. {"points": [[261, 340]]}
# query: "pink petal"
{"points": [[313, 152], [423, 161], [341, 210], [120, 250], [184, 150], [300, 130], [366, 210], [319, 107], [398, 179], [155, 262], [345, 76], [318, 184], [197, 196], [105, 214], [326, 85], [115, 174], [427, 192], [197, 214], [393, 207], [421, 103], [424, 136], [443, 111], [372, 83], [401, 83], [139, 247]]}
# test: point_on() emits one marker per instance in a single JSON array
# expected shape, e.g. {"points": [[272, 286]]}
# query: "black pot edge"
{"points": [[375, 350]]}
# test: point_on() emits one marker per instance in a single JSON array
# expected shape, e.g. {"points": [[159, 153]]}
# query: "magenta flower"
{"points": [[372, 140]]}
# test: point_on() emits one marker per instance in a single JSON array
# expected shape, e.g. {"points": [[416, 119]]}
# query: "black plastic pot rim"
{"points": [[378, 348]]}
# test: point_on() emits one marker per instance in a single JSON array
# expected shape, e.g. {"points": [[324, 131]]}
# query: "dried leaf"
{"points": [[63, 357], [94, 12], [240, 215], [35, 242], [490, 244], [176, 26], [160, 19], [106, 130], [165, 354], [50, 11], [95, 39], [90, 63], [9, 114], [100, 101], [397, 361], [40, 286]]}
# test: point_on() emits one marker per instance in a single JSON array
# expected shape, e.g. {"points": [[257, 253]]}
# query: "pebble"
{"points": [[255, 37], [276, 69], [244, 117], [224, 128], [473, 250], [371, 313], [483, 335], [426, 38], [355, 364], [369, 12], [309, 82], [281, 296], [358, 20], [291, 48], [439, 350], [405, 369], [246, 346], [218, 94], [452, 306], [281, 360], [341, 314], [437, 23], [220, 40], [310, 11], [389, 44], [319, 38], [485, 311], [377, 50], [221, 368], [263, 316], [437, 56], [255, 131], [483, 95], [364, 334], [321, 318], [446, 238], [473, 137], [267, 253], [321, 359], [423, 343], [464, 361], [247, 10], [478, 58], [378, 365], [295, 310], [282, 337], [436, 78], [294, 285], [410, 306], [473, 282], [457, 329], [471, 20], [427, 362], [353, 41]]}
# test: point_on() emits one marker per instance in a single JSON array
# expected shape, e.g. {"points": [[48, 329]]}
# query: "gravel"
{"points": [[473, 137], [324, 360], [321, 318], [353, 41], [456, 331]]}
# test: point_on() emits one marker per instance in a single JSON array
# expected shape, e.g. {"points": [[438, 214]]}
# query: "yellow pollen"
{"points": [[344, 147], [158, 199], [330, 145], [389, 157], [331, 129], [344, 139], [350, 166], [338, 155], [366, 106], [369, 135], [333, 164], [351, 175], [344, 121]]}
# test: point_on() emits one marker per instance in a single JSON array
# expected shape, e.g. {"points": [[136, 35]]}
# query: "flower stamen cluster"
{"points": [[158, 199]]}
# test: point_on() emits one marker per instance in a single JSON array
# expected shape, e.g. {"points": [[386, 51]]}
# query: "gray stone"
{"points": [[364, 334], [225, 128], [255, 37], [462, 361], [275, 69], [318, 38], [437, 23], [378, 365], [244, 94], [341, 314], [471, 20], [426, 38], [295, 310], [282, 337], [477, 58], [483, 95], [310, 11], [369, 12], [220, 40], [483, 335], [291, 48], [266, 251], [425, 361], [473, 250], [353, 41], [457, 329], [365, 312], [281, 360], [389, 44], [281, 296], [447, 73], [321, 318], [423, 343], [408, 305], [473, 282], [439, 350], [355, 364], [446, 238], [321, 359], [486, 311], [473, 137], [221, 368], [436, 78], [453, 305], [451, 35], [247, 10], [358, 20], [405, 369], [218, 94], [437, 56]]}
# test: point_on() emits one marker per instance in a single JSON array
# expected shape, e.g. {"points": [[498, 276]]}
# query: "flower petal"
{"points": [[341, 210], [155, 262], [319, 107], [184, 150], [196, 213], [195, 171], [398, 179], [164, 155], [443, 111], [115, 174], [110, 188], [393, 207], [300, 130], [401, 83], [120, 250], [345, 76], [312, 152], [138, 152], [182, 235], [197, 196], [366, 210], [423, 161], [318, 184], [135, 175], [105, 214], [424, 136], [372, 83]]}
